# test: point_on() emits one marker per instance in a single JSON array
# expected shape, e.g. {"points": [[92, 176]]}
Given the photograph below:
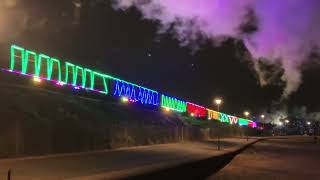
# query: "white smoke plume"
{"points": [[277, 115], [287, 30], [15, 19], [314, 116], [12, 20]]}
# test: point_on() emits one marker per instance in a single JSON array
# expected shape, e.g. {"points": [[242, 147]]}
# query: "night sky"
{"points": [[122, 44]]}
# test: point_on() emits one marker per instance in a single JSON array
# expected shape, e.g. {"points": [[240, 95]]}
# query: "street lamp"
{"points": [[262, 117], [218, 101], [309, 123], [247, 114]]}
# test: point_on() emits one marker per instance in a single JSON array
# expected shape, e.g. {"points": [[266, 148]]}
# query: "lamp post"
{"points": [[247, 115], [308, 126], [262, 116], [218, 102], [9, 175]]}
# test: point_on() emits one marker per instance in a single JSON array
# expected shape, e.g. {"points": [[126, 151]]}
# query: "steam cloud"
{"points": [[12, 21], [15, 19], [287, 31], [315, 116]]}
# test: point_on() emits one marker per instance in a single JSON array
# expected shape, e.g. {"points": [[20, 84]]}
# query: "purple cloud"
{"points": [[288, 30]]}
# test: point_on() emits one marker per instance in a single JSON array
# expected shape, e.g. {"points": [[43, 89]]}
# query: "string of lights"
{"points": [[173, 103], [213, 115], [43, 67], [135, 93], [196, 110]]}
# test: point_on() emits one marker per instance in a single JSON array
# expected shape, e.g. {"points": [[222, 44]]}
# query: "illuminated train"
{"points": [[42, 67]]}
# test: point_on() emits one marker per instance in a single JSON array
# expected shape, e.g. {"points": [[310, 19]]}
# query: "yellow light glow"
{"points": [[167, 109], [125, 99], [36, 79], [246, 113], [192, 114], [218, 101]]}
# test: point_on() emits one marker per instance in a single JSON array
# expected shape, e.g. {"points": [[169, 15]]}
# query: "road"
{"points": [[294, 158], [113, 164]]}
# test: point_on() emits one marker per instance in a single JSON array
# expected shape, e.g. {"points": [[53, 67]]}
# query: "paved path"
{"points": [[113, 164], [294, 158]]}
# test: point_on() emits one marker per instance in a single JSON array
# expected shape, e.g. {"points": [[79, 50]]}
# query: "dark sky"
{"points": [[124, 45]]}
